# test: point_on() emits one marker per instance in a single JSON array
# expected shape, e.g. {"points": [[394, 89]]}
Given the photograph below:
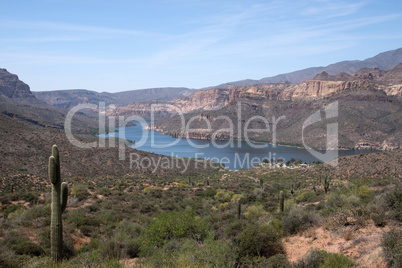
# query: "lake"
{"points": [[236, 156]]}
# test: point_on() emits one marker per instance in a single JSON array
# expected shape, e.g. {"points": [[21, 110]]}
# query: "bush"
{"points": [[307, 196], [223, 196], [392, 246], [37, 212], [9, 259], [26, 247], [209, 193], [80, 191], [128, 234], [278, 261], [364, 192], [21, 245], [132, 248], [10, 209], [335, 260], [254, 212], [393, 200], [258, 240], [111, 249], [188, 253], [77, 216], [299, 219], [379, 219], [172, 225], [323, 259]]}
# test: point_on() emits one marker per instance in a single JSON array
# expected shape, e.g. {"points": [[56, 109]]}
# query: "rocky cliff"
{"points": [[370, 114], [321, 87], [13, 88]]}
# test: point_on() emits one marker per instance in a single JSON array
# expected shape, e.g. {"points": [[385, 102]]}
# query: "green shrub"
{"points": [[26, 247], [323, 259], [364, 192], [392, 246], [80, 191], [77, 216], [278, 261], [111, 249], [379, 219], [223, 195], [209, 193], [172, 225], [128, 234], [254, 212], [335, 260], [132, 248], [299, 219], [9, 259], [258, 240], [93, 258], [189, 253], [105, 191], [393, 201], [21, 245], [10, 209], [38, 212], [307, 196]]}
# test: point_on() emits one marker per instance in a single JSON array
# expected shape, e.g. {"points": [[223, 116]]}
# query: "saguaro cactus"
{"points": [[59, 202], [281, 201], [326, 185], [262, 184], [238, 209]]}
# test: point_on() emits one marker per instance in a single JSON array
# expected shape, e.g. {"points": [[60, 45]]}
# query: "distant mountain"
{"points": [[370, 110], [13, 88], [382, 61], [29, 127], [19, 104], [70, 98]]}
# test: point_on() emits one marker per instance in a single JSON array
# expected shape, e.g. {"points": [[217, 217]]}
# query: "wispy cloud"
{"points": [[50, 25], [330, 9]]}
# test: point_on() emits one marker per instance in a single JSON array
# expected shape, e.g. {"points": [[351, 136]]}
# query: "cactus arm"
{"points": [[55, 154], [238, 209], [52, 170], [281, 201], [64, 196]]}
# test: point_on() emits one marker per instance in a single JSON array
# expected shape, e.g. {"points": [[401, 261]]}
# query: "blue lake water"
{"points": [[238, 155]]}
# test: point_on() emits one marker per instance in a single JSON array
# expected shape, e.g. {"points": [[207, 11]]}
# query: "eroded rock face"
{"points": [[315, 89], [12, 87]]}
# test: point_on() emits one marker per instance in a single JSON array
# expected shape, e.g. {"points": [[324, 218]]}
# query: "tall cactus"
{"points": [[262, 183], [238, 209], [326, 185], [281, 201], [59, 202]]}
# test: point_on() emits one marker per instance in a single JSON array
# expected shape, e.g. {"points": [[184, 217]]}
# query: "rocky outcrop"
{"points": [[13, 88], [316, 89]]}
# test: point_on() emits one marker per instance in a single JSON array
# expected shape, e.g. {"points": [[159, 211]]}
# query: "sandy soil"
{"points": [[362, 245]]}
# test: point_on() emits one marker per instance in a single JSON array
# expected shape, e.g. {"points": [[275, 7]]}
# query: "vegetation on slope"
{"points": [[153, 220]]}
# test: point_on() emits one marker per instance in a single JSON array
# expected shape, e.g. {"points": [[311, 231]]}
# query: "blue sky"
{"points": [[123, 45]]}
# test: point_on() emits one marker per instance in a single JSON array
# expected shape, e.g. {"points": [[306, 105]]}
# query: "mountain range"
{"points": [[72, 97], [369, 110], [368, 93], [29, 127], [382, 61]]}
